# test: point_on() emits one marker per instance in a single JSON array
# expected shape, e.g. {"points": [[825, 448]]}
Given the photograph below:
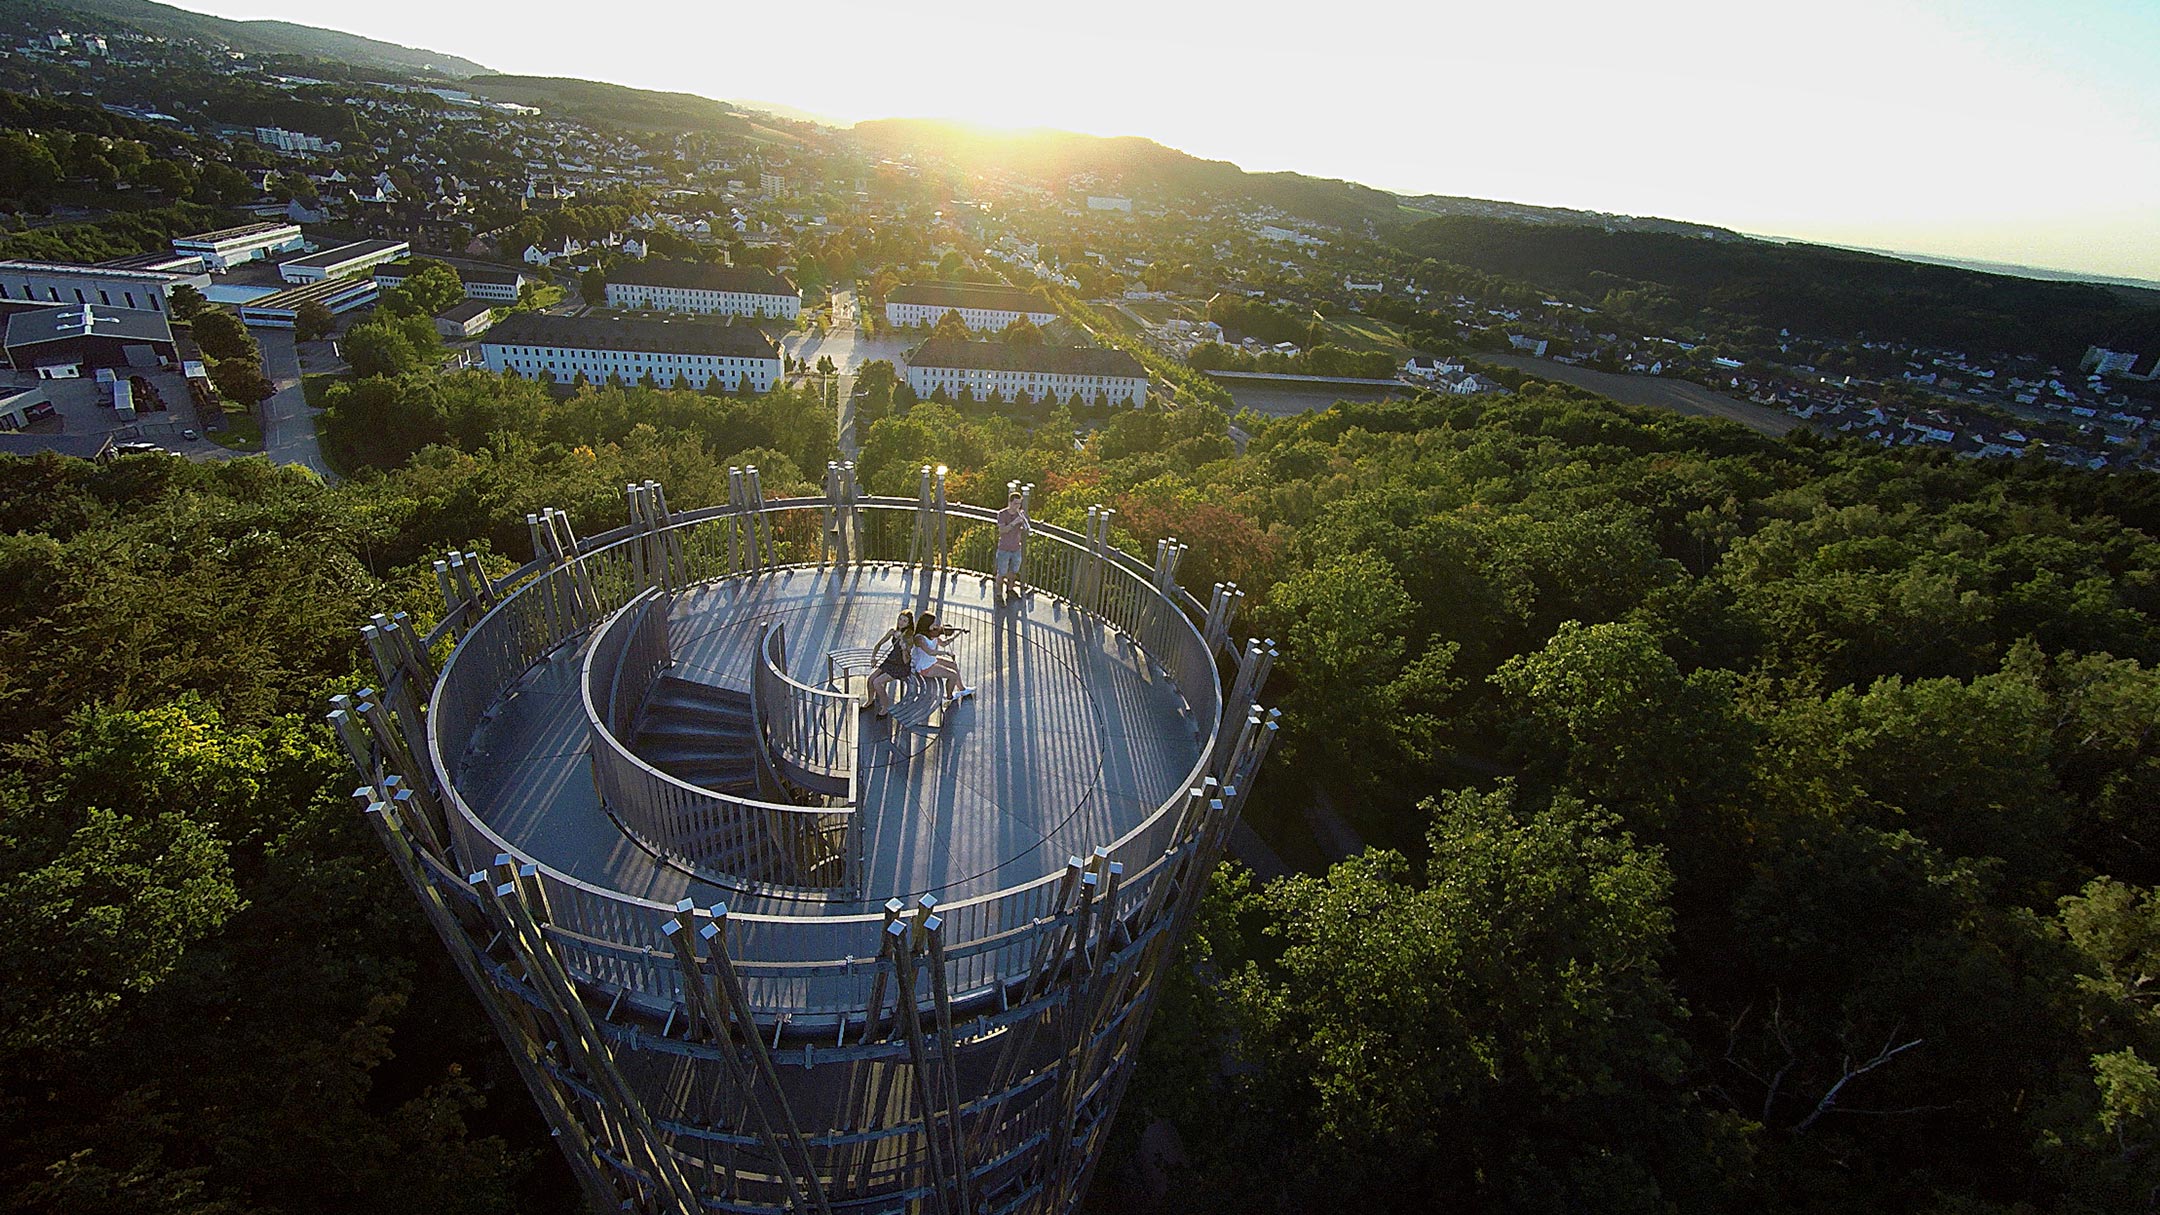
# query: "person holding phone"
{"points": [[1012, 533]]}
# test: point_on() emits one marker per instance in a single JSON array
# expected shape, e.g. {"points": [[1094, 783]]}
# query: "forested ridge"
{"points": [[1734, 287], [1755, 825]]}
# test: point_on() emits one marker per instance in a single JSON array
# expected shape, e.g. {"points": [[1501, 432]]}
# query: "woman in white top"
{"points": [[931, 662]]}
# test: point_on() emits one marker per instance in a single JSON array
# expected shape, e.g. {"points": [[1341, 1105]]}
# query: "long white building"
{"points": [[358, 257], [697, 287], [281, 309], [984, 307], [227, 247], [109, 286], [982, 370], [560, 348], [494, 284]]}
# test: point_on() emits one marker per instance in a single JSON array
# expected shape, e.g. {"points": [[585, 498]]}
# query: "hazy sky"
{"points": [[1996, 129]]}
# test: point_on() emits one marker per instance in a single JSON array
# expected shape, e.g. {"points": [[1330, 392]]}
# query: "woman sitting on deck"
{"points": [[931, 663], [895, 664]]}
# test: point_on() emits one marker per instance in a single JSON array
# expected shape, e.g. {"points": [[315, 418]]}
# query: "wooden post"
{"points": [[511, 1024], [893, 908], [761, 537], [635, 1133], [727, 985], [1084, 564], [901, 952], [929, 926], [944, 522]]}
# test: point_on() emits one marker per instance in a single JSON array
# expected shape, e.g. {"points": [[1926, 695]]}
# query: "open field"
{"points": [[1158, 311], [1361, 333], [1278, 399], [1681, 396]]}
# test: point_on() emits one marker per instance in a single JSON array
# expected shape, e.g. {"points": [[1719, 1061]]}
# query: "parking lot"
{"points": [[84, 407]]}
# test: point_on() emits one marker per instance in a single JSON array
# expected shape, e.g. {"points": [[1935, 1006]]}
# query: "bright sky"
{"points": [[2023, 131]]}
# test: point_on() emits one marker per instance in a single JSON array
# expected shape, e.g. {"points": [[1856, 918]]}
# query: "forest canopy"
{"points": [[1748, 825]]}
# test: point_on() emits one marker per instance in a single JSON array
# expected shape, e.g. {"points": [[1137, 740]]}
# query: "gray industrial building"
{"points": [[106, 286], [69, 340]]}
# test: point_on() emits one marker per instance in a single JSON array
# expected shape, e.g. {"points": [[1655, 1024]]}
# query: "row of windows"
{"points": [[976, 318], [1031, 377], [1037, 393], [713, 301], [600, 370], [631, 288], [689, 360], [52, 296]]}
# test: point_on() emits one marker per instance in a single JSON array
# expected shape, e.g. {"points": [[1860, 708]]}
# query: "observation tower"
{"points": [[756, 951]]}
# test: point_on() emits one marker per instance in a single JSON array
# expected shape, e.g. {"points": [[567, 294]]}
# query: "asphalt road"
{"points": [[849, 348], [288, 424]]}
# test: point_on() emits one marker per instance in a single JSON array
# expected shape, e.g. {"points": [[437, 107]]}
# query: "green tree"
{"points": [[430, 289], [1497, 1036], [1022, 332], [390, 345], [222, 336], [222, 185], [592, 286], [242, 380], [313, 321], [185, 302], [29, 172], [951, 326]]}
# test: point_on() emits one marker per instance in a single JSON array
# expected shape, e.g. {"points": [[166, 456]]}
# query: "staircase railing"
{"points": [[809, 731], [727, 838]]}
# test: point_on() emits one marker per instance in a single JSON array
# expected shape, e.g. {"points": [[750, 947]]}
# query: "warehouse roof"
{"points": [[344, 253], [85, 320]]}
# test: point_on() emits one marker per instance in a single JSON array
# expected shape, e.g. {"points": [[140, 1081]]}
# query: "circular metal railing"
{"points": [[808, 966]]}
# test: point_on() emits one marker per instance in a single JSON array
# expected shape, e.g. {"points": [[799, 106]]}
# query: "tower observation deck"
{"points": [[754, 950]]}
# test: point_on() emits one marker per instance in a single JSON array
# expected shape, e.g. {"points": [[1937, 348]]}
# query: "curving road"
{"points": [[288, 424]]}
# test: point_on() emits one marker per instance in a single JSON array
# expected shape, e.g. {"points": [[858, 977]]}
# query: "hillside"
{"points": [[1126, 163], [1487, 208], [1806, 288], [613, 105], [257, 37]]}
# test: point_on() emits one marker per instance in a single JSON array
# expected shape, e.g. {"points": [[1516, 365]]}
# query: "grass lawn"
{"points": [[314, 386], [1062, 332], [1361, 333], [1158, 311], [242, 432]]}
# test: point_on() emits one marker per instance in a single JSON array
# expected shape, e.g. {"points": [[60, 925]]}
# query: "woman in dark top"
{"points": [[895, 663]]}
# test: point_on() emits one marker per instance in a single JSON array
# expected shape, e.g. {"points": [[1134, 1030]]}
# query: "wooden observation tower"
{"points": [[756, 951]]}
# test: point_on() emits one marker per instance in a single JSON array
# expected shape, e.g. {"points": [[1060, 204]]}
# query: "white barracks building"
{"points": [[697, 287], [560, 348], [985, 369], [985, 307]]}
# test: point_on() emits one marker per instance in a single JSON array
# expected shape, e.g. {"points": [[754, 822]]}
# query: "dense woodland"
{"points": [[1731, 287], [1754, 825]]}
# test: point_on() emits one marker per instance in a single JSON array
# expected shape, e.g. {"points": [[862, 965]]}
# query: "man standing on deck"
{"points": [[1012, 529]]}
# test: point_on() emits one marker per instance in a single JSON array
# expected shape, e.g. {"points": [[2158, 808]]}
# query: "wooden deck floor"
{"points": [[1072, 739]]}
